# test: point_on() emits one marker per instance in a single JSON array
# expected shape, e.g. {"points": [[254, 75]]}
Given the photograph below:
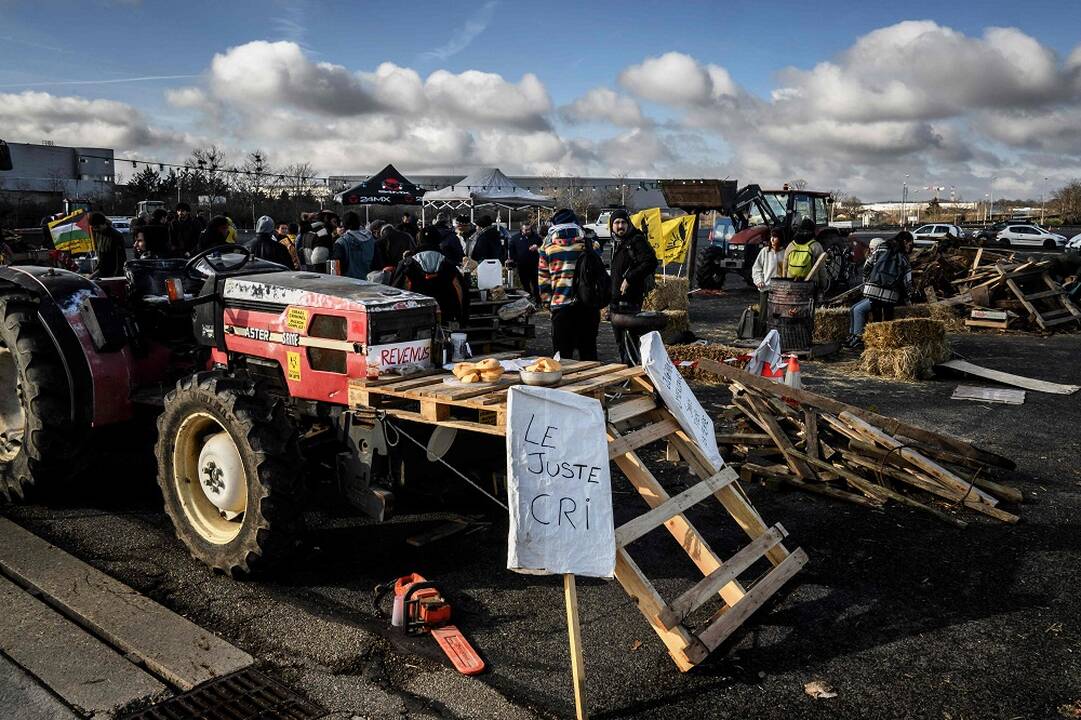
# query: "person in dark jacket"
{"points": [[408, 225], [486, 243], [525, 253], [394, 245], [449, 243], [355, 249], [184, 231], [216, 233], [633, 265], [429, 272], [110, 246], [265, 246]]}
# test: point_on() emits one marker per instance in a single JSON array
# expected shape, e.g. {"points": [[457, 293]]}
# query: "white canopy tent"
{"points": [[484, 187]]}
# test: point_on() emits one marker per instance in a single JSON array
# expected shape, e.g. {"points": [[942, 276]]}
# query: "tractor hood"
{"points": [[306, 289]]}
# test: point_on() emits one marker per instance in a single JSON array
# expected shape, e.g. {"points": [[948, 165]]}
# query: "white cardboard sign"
{"points": [[679, 397], [558, 484]]}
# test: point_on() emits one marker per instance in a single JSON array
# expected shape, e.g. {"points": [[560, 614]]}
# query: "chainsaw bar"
{"points": [[458, 649]]}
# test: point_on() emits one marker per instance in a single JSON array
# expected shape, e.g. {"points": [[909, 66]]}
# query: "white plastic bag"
{"points": [[768, 351]]}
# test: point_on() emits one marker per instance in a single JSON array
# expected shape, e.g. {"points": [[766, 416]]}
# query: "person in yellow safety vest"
{"points": [[802, 252], [230, 235]]}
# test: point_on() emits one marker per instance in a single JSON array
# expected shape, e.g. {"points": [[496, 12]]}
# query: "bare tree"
{"points": [[1067, 201], [798, 184]]}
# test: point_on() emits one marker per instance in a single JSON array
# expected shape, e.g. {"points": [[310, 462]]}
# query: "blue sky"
{"points": [[571, 48]]}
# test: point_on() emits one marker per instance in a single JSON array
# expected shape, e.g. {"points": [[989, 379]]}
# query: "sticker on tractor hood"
{"points": [[413, 352]]}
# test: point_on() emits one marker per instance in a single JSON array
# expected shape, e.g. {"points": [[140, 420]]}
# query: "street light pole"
{"points": [[904, 199], [1043, 201]]}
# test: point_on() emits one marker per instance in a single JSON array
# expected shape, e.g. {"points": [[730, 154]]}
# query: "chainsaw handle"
{"points": [[407, 597]]}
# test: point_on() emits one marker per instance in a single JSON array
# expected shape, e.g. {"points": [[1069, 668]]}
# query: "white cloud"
{"points": [[36, 116], [677, 79], [487, 99], [259, 75], [603, 104]]}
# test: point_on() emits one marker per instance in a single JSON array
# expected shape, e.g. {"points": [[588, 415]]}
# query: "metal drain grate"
{"points": [[244, 695]]}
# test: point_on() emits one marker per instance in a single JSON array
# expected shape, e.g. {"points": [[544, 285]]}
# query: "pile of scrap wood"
{"points": [[795, 437], [977, 288], [997, 290]]}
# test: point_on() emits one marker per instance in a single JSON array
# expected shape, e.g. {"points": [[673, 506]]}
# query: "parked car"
{"points": [[1030, 235], [600, 227], [930, 234], [989, 235], [1074, 243], [123, 226]]}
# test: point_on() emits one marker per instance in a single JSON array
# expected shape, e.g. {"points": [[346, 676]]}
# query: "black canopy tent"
{"points": [[386, 187]]}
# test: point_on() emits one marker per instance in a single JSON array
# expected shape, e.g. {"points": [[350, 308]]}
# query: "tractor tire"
{"points": [[709, 274], [250, 433], [39, 443]]}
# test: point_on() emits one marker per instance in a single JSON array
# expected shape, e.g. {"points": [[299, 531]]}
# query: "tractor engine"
{"points": [[318, 331]]}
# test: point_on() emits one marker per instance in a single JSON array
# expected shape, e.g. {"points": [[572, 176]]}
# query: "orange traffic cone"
{"points": [[792, 375]]}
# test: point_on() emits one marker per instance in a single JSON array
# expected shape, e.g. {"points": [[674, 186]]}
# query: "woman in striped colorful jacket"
{"points": [[574, 326]]}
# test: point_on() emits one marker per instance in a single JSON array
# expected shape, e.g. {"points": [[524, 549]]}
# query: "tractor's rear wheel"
{"points": [[229, 470], [39, 442], [710, 273]]}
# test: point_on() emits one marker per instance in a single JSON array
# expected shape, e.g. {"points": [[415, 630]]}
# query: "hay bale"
{"points": [[950, 316], [697, 351], [677, 324], [906, 349], [920, 310], [831, 324], [902, 333], [670, 293]]}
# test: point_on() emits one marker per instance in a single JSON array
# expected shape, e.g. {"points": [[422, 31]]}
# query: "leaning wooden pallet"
{"points": [[636, 417]]}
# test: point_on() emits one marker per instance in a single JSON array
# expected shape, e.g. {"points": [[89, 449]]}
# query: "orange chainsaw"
{"points": [[420, 608]]}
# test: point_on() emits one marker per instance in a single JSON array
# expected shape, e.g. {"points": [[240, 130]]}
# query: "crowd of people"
{"points": [[434, 260], [887, 275]]}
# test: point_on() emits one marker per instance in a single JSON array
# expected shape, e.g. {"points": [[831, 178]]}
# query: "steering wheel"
{"points": [[216, 263]]}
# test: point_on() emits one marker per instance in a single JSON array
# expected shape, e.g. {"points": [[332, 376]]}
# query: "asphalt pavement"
{"points": [[903, 615]]}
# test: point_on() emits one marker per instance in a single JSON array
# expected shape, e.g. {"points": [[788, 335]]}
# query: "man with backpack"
{"points": [[573, 286], [633, 265], [802, 252], [429, 272]]}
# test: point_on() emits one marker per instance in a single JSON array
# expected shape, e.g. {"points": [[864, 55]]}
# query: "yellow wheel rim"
{"points": [[211, 523]]}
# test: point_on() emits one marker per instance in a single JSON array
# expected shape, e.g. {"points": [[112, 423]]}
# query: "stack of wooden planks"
{"points": [[793, 437]]}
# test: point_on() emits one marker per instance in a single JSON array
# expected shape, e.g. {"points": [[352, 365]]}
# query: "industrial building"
{"points": [[46, 172]]}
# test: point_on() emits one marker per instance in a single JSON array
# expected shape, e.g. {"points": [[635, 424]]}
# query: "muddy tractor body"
{"points": [[754, 214], [246, 365]]}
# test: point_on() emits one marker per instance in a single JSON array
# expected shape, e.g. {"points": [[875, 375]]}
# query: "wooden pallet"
{"points": [[480, 407], [721, 584], [1047, 302], [635, 418]]}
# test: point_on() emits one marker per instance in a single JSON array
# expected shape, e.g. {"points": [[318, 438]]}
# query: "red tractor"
{"points": [[246, 365], [754, 213]]}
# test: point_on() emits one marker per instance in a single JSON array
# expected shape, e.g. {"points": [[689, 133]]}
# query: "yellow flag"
{"points": [[676, 239], [649, 222]]}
